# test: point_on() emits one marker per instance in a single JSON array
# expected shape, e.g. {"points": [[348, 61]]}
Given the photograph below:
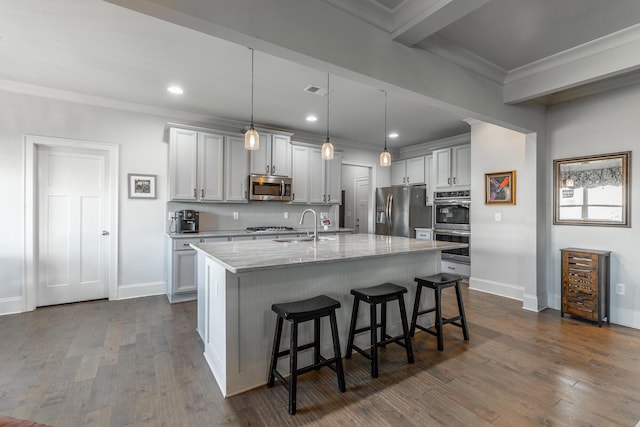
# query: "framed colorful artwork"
{"points": [[500, 188]]}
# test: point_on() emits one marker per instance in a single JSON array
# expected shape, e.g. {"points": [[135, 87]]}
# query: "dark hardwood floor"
{"points": [[139, 363]]}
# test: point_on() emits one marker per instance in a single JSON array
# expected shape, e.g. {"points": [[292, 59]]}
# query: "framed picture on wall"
{"points": [[142, 186], [500, 188]]}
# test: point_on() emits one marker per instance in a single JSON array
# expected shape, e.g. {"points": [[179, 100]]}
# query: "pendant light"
{"points": [[327, 147], [385, 156], [251, 137]]}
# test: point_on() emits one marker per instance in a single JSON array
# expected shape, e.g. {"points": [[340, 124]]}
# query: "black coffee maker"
{"points": [[188, 221]]}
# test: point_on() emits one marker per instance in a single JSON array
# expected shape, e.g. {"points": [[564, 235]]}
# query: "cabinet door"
{"points": [[333, 181], [442, 164], [316, 176], [429, 179], [210, 162], [461, 174], [415, 170], [300, 174], [261, 158], [184, 271], [183, 155], [236, 171], [398, 172], [280, 155]]}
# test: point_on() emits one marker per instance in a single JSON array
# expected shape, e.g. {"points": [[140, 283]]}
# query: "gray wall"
{"points": [[598, 124]]}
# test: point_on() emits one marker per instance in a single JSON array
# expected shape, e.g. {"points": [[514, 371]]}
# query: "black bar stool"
{"points": [[295, 313], [380, 294], [438, 282]]}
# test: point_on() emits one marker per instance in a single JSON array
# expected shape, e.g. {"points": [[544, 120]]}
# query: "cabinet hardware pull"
{"points": [[293, 196], [273, 169], [328, 197], [449, 181], [267, 169], [454, 180], [195, 193], [202, 193]]}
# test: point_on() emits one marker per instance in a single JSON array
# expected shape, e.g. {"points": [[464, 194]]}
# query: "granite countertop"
{"points": [[232, 233], [251, 255]]}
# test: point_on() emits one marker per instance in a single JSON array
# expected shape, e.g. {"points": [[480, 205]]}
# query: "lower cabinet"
{"points": [[456, 268], [182, 272]]}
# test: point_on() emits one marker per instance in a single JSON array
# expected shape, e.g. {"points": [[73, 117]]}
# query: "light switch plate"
{"points": [[497, 217]]}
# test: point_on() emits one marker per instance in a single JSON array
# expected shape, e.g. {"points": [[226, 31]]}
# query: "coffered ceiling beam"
{"points": [[433, 19]]}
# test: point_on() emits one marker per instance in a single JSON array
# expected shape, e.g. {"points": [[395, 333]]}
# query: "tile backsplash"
{"points": [[220, 216]]}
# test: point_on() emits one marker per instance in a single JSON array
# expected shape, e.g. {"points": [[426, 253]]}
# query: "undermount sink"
{"points": [[293, 239]]}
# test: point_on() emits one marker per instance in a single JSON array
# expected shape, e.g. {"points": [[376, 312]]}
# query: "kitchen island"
{"points": [[239, 281]]}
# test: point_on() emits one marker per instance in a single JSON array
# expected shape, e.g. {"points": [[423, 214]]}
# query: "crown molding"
{"points": [[594, 47], [427, 148]]}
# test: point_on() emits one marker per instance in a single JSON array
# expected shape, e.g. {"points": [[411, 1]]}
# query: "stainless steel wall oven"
{"points": [[451, 222]]}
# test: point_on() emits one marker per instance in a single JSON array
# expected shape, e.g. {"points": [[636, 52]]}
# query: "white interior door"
{"points": [[362, 205], [73, 240]]}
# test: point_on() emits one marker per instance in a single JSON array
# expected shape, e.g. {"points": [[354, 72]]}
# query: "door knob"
{"points": [[105, 233]]}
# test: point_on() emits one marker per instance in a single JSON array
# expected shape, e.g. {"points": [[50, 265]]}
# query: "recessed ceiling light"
{"points": [[176, 90], [393, 135], [312, 118]]}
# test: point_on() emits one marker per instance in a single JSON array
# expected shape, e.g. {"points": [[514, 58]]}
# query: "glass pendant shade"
{"points": [[327, 150], [385, 158], [252, 139]]}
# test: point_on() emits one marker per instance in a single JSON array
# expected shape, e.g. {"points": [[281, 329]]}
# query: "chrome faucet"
{"points": [[315, 223]]}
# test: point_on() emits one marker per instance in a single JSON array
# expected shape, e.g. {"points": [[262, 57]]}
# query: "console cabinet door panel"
{"points": [[237, 170], [281, 155], [210, 156], [300, 174], [333, 179]]}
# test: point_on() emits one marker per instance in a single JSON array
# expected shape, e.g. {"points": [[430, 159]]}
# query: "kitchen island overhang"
{"points": [[239, 281]]}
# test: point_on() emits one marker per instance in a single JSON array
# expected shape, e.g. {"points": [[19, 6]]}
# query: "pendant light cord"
{"points": [[385, 120], [251, 87], [328, 106]]}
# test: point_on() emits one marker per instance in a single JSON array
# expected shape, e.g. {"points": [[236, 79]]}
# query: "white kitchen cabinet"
{"points": [[181, 270], [429, 179], [195, 165], [424, 234], [453, 166], [274, 155], [236, 170], [300, 174], [407, 172], [316, 181]]}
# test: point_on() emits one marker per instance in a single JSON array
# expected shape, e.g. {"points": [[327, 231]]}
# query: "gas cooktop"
{"points": [[269, 228]]}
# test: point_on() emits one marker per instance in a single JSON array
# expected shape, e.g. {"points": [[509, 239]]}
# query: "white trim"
{"points": [[139, 290], [11, 305], [30, 194], [355, 201], [506, 290], [530, 303]]}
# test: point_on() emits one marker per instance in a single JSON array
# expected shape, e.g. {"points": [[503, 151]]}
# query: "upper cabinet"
{"points": [[452, 166], [236, 177], [316, 181], [429, 179], [195, 165], [408, 172], [274, 155]]}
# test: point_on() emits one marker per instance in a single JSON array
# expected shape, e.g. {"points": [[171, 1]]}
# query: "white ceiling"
{"points": [[100, 51]]}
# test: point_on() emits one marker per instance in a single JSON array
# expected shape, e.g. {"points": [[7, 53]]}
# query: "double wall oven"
{"points": [[451, 222]]}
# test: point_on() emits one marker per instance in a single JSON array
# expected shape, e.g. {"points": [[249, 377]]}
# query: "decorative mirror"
{"points": [[592, 190]]}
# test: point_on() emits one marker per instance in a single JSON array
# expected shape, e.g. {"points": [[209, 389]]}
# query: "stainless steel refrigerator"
{"points": [[401, 209]]}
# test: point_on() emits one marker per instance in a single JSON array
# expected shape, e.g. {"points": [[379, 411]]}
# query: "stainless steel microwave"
{"points": [[269, 187]]}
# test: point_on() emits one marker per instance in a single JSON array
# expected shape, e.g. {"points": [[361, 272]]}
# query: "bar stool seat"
{"points": [[380, 294], [438, 282], [295, 313]]}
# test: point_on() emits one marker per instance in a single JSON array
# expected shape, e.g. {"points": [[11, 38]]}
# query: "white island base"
{"points": [[235, 320]]}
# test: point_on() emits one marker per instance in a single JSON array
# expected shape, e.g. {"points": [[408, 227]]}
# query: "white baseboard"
{"points": [[530, 303], [497, 288], [11, 306], [138, 290]]}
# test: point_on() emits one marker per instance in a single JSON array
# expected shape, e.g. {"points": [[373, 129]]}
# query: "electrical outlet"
{"points": [[620, 288], [497, 217], [286, 215], [235, 215], [170, 216]]}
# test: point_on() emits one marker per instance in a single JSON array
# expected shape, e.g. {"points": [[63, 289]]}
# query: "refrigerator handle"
{"points": [[389, 209]]}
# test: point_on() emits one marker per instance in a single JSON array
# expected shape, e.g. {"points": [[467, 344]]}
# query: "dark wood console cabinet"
{"points": [[585, 284]]}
